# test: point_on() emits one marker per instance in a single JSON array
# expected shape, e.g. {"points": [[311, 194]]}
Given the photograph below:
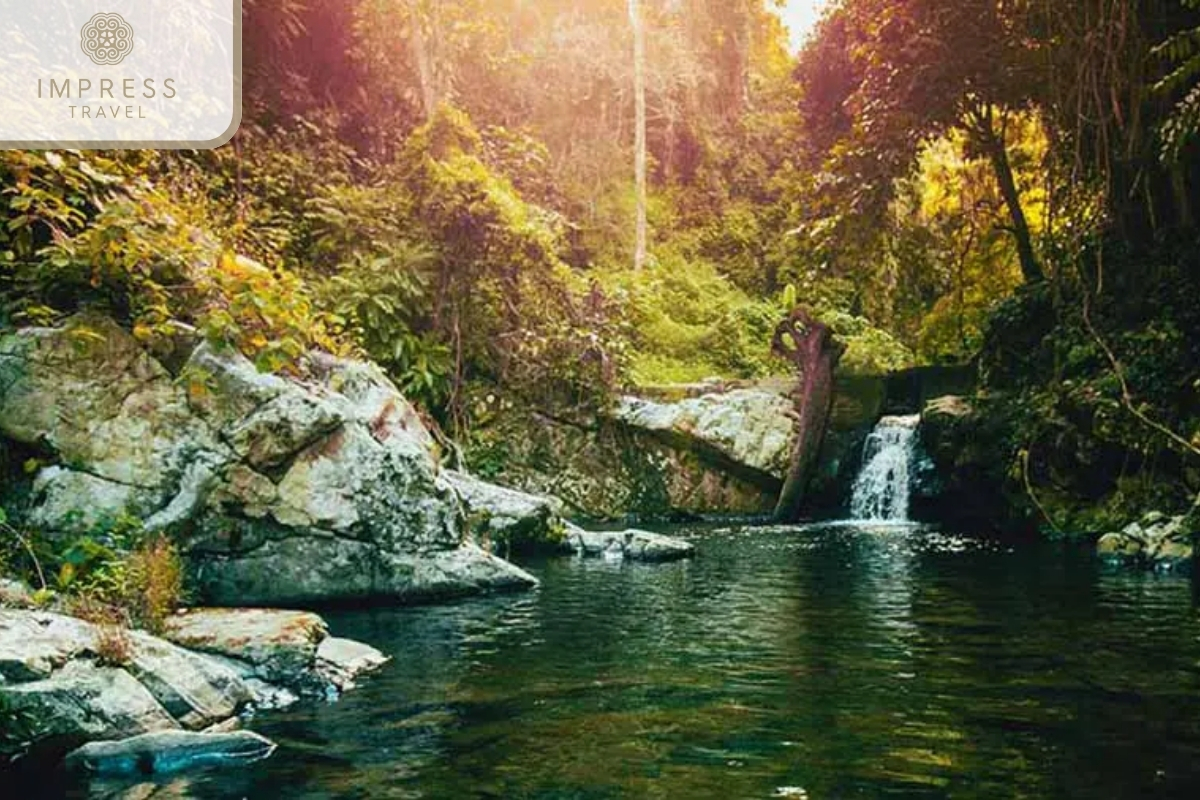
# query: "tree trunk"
{"points": [[994, 146], [420, 46], [639, 156], [816, 354]]}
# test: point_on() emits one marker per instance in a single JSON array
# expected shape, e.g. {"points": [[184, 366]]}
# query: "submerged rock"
{"points": [[169, 751], [278, 491], [631, 544]]}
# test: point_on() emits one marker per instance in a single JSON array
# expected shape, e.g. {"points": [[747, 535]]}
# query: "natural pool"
{"points": [[825, 661]]}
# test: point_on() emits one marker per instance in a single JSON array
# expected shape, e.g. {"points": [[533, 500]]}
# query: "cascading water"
{"points": [[882, 488]]}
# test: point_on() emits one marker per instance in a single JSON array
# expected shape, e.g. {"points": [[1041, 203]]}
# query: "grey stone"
{"points": [[505, 516], [343, 660], [34, 644], [90, 393], [1155, 542], [196, 690], [84, 701], [750, 427], [633, 544], [277, 490], [70, 502]]}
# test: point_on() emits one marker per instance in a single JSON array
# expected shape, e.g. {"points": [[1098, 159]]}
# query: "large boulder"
{"points": [[507, 519], [279, 490], [711, 448], [92, 395], [751, 429], [966, 483]]}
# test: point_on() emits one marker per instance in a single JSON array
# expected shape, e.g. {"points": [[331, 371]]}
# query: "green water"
{"points": [[842, 661]]}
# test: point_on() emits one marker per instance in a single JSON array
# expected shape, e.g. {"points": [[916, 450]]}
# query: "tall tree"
{"points": [[639, 147], [920, 68]]}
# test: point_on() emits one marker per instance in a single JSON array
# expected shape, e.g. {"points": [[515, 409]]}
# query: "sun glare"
{"points": [[801, 16]]}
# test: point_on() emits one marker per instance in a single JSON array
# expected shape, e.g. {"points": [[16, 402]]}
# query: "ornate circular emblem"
{"points": [[107, 39]]}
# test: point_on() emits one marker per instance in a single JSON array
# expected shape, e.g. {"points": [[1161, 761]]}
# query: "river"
{"points": [[829, 661]]}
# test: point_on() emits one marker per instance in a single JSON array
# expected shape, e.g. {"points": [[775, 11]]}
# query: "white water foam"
{"points": [[882, 488]]}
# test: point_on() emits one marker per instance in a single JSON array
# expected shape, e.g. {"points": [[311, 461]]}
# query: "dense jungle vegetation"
{"points": [[450, 188]]}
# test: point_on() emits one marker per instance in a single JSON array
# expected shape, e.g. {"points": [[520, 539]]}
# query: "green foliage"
{"points": [[1095, 463], [266, 314], [46, 198], [501, 296], [383, 301], [689, 323], [869, 350], [1181, 53], [114, 574]]}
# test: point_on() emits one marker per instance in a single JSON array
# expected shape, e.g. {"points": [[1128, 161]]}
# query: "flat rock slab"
{"points": [[281, 646], [343, 660], [195, 689], [632, 544], [168, 752]]}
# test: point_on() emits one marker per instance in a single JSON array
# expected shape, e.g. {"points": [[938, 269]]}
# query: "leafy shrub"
{"points": [[155, 583], [267, 314], [689, 323], [383, 301], [869, 350], [119, 575]]}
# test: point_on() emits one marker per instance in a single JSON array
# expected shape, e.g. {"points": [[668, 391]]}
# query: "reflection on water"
{"points": [[837, 661]]}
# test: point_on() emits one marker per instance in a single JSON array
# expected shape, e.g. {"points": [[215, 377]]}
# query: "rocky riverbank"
{"points": [[116, 701], [277, 490], [324, 486]]}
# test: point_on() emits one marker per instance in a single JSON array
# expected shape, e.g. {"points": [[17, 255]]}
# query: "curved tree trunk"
{"points": [[981, 124], [811, 347]]}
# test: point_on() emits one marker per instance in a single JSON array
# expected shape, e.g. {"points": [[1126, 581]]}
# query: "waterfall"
{"points": [[882, 487]]}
